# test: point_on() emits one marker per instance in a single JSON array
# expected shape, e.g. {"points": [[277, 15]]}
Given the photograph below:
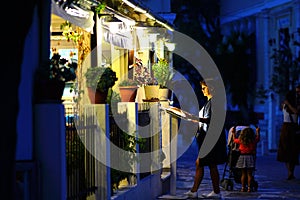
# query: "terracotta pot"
{"points": [[97, 97], [128, 93]]}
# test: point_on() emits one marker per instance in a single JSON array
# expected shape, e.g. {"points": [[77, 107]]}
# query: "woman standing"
{"points": [[216, 156], [287, 148]]}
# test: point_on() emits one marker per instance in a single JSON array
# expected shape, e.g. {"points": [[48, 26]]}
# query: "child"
{"points": [[247, 141]]}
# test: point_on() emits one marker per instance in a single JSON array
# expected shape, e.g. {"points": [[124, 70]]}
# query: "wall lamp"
{"points": [[170, 46]]}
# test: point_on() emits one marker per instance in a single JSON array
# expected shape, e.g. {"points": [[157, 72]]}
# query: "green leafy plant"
{"points": [[128, 82], [69, 33], [129, 145], [100, 78], [162, 72], [127, 142], [100, 8], [58, 69]]}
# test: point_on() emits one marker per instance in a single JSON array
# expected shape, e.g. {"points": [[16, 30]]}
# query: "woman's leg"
{"points": [[291, 168], [198, 176], [215, 178]]}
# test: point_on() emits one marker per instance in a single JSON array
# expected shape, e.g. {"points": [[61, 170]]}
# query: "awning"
{"points": [[74, 14], [123, 41]]}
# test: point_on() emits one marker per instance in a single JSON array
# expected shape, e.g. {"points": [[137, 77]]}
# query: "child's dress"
{"points": [[247, 153]]}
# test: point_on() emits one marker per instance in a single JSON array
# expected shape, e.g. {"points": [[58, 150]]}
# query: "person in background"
{"points": [[287, 148], [247, 141], [218, 154], [298, 102]]}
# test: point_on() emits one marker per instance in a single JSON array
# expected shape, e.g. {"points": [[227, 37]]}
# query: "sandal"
{"points": [[249, 189], [243, 189]]}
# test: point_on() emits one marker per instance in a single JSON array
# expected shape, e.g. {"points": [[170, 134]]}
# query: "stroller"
{"points": [[234, 174]]}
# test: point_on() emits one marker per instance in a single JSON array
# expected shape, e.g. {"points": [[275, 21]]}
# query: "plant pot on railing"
{"points": [[128, 93], [96, 96], [164, 94], [128, 90], [151, 92], [99, 81]]}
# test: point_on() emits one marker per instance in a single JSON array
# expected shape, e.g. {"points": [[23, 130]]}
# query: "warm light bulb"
{"points": [[170, 46]]}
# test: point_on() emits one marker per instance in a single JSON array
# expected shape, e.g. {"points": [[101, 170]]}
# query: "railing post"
{"points": [[173, 145]]}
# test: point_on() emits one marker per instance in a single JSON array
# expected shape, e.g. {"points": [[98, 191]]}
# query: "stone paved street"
{"points": [[270, 174]]}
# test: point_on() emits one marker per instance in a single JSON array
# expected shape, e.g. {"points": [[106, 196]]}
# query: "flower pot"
{"points": [[97, 97], [163, 93], [151, 92], [50, 91], [128, 93]]}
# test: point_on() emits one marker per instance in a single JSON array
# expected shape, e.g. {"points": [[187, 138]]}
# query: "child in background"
{"points": [[247, 141]]}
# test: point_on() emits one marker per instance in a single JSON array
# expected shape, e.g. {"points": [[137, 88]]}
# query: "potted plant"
{"points": [[51, 78], [163, 74], [128, 90], [99, 80], [145, 78]]}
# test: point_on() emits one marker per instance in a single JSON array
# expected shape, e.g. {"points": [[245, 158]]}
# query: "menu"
{"points": [[177, 112]]}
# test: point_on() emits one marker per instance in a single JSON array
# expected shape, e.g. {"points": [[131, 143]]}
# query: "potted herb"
{"points": [[99, 80], [163, 74], [51, 78], [128, 90]]}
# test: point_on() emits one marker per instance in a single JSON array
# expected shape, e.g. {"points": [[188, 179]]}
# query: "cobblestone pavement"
{"points": [[270, 175]]}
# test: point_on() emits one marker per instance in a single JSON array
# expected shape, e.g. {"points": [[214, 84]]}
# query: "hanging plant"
{"points": [[100, 8], [69, 33]]}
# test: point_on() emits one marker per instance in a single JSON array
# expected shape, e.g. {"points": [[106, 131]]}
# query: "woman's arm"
{"points": [[257, 138]]}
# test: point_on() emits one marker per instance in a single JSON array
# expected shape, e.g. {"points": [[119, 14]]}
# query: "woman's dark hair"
{"points": [[209, 84], [291, 98]]}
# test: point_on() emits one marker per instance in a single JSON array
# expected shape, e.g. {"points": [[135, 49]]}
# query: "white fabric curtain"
{"points": [[123, 41]]}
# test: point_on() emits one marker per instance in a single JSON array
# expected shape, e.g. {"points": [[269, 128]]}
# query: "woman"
{"points": [[216, 156], [287, 148]]}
